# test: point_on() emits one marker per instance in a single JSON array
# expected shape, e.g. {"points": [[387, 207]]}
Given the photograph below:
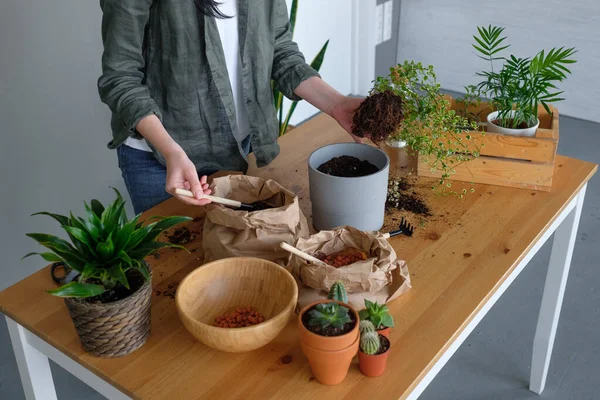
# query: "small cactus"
{"points": [[338, 292], [369, 343], [366, 326]]}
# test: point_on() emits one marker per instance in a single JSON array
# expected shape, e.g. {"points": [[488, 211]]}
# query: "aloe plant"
{"points": [[378, 314], [277, 95], [329, 314], [104, 246]]}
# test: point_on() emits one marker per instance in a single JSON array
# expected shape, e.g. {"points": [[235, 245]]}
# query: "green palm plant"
{"points": [[277, 95], [521, 84], [105, 248]]}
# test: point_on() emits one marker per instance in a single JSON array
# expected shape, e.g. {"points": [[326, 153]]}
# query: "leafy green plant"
{"points": [[329, 314], [338, 292], [370, 343], [520, 84], [104, 246], [430, 127], [378, 314], [469, 105], [277, 95]]}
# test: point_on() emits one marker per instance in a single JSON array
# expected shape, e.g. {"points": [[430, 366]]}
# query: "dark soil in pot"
{"points": [[330, 330], [385, 345], [135, 279], [347, 167], [522, 125]]}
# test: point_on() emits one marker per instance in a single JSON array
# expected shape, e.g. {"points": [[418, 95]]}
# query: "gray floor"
{"points": [[494, 361]]}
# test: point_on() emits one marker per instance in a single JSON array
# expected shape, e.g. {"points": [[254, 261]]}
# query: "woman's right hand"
{"points": [[182, 174]]}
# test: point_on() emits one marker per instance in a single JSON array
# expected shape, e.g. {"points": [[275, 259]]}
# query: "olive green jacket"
{"points": [[164, 57]]}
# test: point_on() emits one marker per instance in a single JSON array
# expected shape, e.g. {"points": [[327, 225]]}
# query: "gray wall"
{"points": [[54, 128], [386, 52], [439, 32]]}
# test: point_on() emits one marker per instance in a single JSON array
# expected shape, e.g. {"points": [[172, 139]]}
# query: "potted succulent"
{"points": [[109, 295], [329, 338], [407, 110], [379, 316], [520, 85], [374, 350]]}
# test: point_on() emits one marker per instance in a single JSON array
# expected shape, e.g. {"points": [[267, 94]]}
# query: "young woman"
{"points": [[189, 86]]}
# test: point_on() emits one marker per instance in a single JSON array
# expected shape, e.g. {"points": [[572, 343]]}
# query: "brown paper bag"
{"points": [[382, 277], [233, 233]]}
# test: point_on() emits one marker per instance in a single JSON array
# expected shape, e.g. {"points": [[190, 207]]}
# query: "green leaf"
{"points": [[369, 304], [50, 257], [60, 218], [363, 314], [88, 272], [106, 249], [123, 256], [387, 320], [116, 273], [124, 235], [293, 13], [77, 289], [97, 207], [148, 248], [79, 234], [138, 236], [166, 223], [318, 60], [143, 268]]}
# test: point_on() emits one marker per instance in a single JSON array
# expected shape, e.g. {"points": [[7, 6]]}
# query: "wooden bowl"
{"points": [[221, 286]]}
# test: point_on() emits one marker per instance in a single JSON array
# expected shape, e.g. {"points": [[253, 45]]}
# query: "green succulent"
{"points": [[378, 314], [329, 314], [366, 326], [104, 246], [370, 343], [338, 292]]}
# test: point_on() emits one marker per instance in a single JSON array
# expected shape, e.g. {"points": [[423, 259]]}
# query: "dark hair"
{"points": [[210, 8]]}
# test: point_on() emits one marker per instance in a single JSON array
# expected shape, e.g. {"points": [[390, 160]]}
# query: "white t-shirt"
{"points": [[228, 32]]}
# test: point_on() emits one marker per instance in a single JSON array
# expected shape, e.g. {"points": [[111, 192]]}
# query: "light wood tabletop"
{"points": [[456, 264]]}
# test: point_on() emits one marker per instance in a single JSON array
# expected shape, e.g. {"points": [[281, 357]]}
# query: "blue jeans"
{"points": [[145, 178]]}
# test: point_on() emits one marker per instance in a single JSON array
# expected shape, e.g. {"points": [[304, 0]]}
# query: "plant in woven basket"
{"points": [[378, 314], [106, 249], [109, 299], [338, 292], [329, 314], [407, 106]]}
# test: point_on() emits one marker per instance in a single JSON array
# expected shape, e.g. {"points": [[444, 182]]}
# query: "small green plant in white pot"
{"points": [[109, 296], [519, 85]]}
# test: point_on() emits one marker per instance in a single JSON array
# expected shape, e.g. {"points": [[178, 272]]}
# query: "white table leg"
{"points": [[34, 367], [554, 290]]}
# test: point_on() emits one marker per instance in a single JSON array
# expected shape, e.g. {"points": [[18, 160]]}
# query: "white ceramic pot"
{"points": [[493, 128]]}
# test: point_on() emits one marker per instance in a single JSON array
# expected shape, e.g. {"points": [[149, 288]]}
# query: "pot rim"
{"points": [[147, 282], [310, 333], [381, 170], [333, 351], [289, 308], [518, 130]]}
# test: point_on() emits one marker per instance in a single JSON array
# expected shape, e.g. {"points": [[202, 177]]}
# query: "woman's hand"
{"points": [[182, 174], [343, 113], [330, 101]]}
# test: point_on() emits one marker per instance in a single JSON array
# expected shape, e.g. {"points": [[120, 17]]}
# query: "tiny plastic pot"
{"points": [[374, 365], [385, 332]]}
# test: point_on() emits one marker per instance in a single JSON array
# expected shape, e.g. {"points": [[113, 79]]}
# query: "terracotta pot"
{"points": [[373, 365], [330, 367], [385, 332], [329, 356]]}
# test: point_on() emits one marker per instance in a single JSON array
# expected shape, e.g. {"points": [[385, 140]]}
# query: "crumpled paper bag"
{"points": [[382, 277], [230, 232]]}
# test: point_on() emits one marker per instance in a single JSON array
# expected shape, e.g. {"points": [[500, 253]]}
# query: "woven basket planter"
{"points": [[113, 329]]}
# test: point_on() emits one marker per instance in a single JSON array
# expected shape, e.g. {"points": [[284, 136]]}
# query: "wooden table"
{"points": [[459, 267]]}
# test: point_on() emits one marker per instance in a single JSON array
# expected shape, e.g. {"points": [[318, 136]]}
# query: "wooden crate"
{"points": [[515, 161]]}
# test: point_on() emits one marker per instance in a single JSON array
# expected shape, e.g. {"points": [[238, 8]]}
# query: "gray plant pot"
{"points": [[357, 202]]}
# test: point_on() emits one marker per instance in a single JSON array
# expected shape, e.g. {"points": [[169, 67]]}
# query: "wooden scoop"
{"points": [[215, 199], [301, 254]]}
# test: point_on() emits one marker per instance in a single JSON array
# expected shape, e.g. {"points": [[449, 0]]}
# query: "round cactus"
{"points": [[369, 342], [366, 326], [338, 292]]}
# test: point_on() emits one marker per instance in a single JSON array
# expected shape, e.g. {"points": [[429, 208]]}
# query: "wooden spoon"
{"points": [[215, 199], [301, 254]]}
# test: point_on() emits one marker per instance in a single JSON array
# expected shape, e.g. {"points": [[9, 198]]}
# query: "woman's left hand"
{"points": [[343, 112]]}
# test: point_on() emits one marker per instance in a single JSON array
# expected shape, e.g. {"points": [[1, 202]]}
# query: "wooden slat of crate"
{"points": [[499, 171], [514, 161]]}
